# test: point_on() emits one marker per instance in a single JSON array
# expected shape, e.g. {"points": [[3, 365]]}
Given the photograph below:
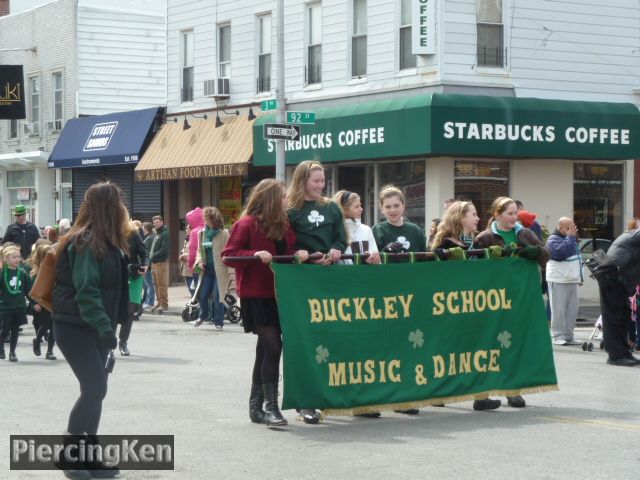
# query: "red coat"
{"points": [[254, 279]]}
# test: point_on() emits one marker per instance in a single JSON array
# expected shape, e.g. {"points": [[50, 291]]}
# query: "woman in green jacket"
{"points": [[89, 299]]}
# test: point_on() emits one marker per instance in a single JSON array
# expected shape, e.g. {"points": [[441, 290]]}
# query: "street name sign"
{"points": [[280, 131], [268, 105], [308, 118]]}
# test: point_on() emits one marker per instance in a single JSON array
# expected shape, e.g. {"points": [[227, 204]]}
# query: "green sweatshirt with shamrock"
{"points": [[319, 228], [14, 288], [410, 235]]}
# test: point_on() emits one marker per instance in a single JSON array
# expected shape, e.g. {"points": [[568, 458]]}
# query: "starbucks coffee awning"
{"points": [[200, 151], [462, 125]]}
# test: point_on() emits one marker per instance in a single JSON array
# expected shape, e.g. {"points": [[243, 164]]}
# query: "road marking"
{"points": [[595, 423]]}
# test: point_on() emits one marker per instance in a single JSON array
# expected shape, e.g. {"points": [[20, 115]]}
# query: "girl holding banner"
{"points": [[359, 236], [262, 231], [455, 232], [503, 229], [318, 224]]}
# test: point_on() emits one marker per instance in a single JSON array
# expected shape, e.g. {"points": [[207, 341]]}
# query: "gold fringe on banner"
{"points": [[435, 401]]}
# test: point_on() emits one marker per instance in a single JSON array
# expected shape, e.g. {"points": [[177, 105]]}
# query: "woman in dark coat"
{"points": [[90, 297]]}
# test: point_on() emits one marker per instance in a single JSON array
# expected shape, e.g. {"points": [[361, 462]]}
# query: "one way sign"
{"points": [[280, 131]]}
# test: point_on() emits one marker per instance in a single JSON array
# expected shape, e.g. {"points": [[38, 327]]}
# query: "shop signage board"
{"points": [[268, 105], [423, 28], [12, 101], [308, 118], [281, 131], [461, 125]]}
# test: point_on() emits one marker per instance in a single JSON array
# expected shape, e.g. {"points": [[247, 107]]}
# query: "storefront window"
{"points": [[66, 196], [481, 182], [597, 199], [410, 178], [21, 184]]}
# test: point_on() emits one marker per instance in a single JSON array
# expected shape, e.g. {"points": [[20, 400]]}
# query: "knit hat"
{"points": [[65, 223], [19, 210], [526, 218]]}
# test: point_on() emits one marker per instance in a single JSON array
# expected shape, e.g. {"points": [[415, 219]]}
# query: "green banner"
{"points": [[363, 338]]}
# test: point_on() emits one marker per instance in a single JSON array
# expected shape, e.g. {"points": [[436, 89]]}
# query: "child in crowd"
{"points": [[396, 234], [318, 225], [41, 316], [14, 287], [360, 238]]}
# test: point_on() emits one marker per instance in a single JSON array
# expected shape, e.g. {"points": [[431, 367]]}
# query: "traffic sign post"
{"points": [[280, 131], [268, 105], [308, 118]]}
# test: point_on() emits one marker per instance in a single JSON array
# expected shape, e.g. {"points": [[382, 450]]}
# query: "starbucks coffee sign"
{"points": [[423, 29]]}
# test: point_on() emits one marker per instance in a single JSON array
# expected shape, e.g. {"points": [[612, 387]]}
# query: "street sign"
{"points": [[280, 131], [268, 105], [308, 118]]}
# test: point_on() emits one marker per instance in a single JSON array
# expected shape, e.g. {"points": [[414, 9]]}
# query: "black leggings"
{"points": [[10, 329], [125, 328], [266, 368], [81, 347], [51, 340]]}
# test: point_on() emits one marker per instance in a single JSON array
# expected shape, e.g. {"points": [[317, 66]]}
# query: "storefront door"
{"points": [[359, 179]]}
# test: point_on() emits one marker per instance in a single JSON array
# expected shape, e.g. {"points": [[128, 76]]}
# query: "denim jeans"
{"points": [[210, 288], [191, 284], [149, 290]]}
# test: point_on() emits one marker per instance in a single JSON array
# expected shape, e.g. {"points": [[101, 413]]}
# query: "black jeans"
{"points": [[81, 347], [616, 313], [10, 325]]}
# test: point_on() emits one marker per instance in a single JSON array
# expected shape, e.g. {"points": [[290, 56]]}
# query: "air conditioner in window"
{"points": [[217, 88], [55, 126]]}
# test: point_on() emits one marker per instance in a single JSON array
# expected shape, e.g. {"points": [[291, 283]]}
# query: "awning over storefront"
{"points": [[113, 139], [203, 150], [462, 125]]}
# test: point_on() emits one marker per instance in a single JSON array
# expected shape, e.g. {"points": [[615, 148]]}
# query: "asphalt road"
{"points": [[194, 383]]}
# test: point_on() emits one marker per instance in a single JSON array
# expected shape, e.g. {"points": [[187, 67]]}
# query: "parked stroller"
{"points": [[191, 311], [597, 329]]}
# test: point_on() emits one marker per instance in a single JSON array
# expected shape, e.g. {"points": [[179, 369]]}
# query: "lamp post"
{"points": [[280, 113]]}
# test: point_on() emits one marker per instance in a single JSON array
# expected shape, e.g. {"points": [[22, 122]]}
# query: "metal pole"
{"points": [[280, 92]]}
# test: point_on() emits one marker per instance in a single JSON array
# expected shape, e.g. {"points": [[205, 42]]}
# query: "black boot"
{"points": [[272, 416], [74, 470], [96, 468], [256, 399], [36, 347], [124, 351]]}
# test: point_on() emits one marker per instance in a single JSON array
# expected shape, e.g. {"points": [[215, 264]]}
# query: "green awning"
{"points": [[461, 125]]}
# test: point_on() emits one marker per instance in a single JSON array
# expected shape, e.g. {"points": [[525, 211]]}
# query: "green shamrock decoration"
{"points": [[315, 217], [417, 338], [322, 353], [505, 339]]}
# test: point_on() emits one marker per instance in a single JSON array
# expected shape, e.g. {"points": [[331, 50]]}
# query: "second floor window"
{"points": [[490, 33], [359, 39], [58, 102], [314, 44], [224, 51], [264, 54], [407, 59], [34, 95], [186, 61]]}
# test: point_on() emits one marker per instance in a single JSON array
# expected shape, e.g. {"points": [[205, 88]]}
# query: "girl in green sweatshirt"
{"points": [[14, 287]]}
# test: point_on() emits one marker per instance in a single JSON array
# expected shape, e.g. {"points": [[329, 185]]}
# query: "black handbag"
{"points": [[602, 266]]}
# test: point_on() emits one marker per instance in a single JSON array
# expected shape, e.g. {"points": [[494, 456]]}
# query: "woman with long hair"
{"points": [[90, 297], [262, 231], [216, 281], [503, 229], [318, 224]]}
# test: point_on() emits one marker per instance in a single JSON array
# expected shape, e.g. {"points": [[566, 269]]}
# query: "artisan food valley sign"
{"points": [[12, 101], [463, 125]]}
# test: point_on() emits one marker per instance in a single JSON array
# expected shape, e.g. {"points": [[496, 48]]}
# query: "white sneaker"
{"points": [[560, 342]]}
